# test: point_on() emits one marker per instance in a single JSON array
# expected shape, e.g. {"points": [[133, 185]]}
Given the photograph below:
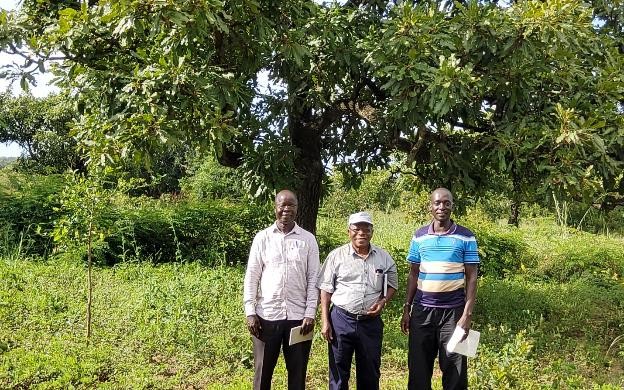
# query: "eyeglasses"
{"points": [[365, 230]]}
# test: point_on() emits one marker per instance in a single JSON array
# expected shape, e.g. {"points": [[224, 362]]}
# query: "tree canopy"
{"points": [[40, 126], [524, 98]]}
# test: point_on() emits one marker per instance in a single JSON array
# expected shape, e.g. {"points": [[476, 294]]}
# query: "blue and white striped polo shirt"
{"points": [[442, 258]]}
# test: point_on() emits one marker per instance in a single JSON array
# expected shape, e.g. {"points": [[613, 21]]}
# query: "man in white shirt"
{"points": [[280, 293]]}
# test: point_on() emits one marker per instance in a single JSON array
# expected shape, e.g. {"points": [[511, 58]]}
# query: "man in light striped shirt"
{"points": [[441, 293], [280, 293]]}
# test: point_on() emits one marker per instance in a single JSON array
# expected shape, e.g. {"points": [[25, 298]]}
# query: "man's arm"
{"points": [[470, 274], [325, 321], [312, 295], [250, 287], [412, 286]]}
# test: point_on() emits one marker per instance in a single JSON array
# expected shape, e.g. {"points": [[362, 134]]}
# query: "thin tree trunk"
{"points": [[516, 196], [89, 280], [514, 213]]}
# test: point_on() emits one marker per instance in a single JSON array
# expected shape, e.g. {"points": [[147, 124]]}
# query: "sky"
{"points": [[42, 88]]}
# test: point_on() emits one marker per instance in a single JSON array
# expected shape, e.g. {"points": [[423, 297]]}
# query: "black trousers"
{"points": [[351, 335], [274, 337], [430, 330]]}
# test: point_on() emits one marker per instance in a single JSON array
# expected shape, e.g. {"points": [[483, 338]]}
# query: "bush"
{"points": [[28, 209], [211, 233], [213, 181], [377, 190], [595, 258], [502, 250]]}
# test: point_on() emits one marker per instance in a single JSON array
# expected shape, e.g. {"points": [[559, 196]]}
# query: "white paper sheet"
{"points": [[467, 347], [297, 337]]}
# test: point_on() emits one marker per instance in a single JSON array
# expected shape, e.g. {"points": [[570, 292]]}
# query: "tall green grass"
{"points": [[547, 317]]}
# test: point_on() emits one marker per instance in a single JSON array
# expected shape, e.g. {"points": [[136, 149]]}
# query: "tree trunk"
{"points": [[309, 192], [89, 280], [306, 138], [514, 212]]}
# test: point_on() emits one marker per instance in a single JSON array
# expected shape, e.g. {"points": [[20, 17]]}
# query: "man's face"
{"points": [[286, 209], [360, 234], [441, 205]]}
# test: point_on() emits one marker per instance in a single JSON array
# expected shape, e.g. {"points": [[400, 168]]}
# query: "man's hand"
{"points": [[326, 331], [307, 325], [464, 323], [253, 325], [377, 307], [405, 320]]}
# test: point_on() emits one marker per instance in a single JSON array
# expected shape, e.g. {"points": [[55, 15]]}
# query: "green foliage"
{"points": [[522, 98], [28, 210], [210, 233], [595, 259], [41, 127], [210, 181], [504, 368], [164, 325], [503, 250], [377, 190]]}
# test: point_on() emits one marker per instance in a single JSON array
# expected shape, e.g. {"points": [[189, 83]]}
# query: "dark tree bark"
{"points": [[514, 212], [305, 133]]}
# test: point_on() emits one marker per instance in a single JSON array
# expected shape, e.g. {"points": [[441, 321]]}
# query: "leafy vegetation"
{"points": [[41, 127], [181, 325], [516, 107], [522, 98]]}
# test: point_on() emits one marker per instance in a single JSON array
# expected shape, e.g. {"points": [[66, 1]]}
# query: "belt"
{"points": [[357, 317]]}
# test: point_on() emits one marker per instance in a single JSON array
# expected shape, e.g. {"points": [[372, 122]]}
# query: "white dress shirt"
{"points": [[280, 282]]}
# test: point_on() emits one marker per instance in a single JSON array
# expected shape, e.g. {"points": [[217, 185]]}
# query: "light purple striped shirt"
{"points": [[280, 282]]}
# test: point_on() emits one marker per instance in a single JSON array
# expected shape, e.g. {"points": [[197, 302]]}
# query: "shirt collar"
{"points": [[373, 248], [451, 230], [295, 230]]}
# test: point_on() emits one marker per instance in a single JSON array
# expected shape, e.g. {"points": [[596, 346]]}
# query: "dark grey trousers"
{"points": [[274, 338], [430, 330]]}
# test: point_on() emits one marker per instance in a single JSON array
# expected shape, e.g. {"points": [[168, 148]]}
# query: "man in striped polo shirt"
{"points": [[441, 293]]}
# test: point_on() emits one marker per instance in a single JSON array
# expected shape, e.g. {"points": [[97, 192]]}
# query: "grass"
{"points": [[182, 325]]}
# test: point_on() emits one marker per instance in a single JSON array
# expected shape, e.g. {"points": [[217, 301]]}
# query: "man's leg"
{"points": [[266, 351], [454, 366], [296, 357], [423, 347], [368, 353], [340, 350]]}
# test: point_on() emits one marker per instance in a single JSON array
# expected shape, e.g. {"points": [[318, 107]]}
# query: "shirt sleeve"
{"points": [[413, 254], [327, 275], [393, 277], [313, 274], [471, 252], [252, 276]]}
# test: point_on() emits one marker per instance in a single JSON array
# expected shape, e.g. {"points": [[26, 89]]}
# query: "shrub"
{"points": [[28, 209], [502, 250], [215, 232], [377, 190], [213, 181], [595, 258]]}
